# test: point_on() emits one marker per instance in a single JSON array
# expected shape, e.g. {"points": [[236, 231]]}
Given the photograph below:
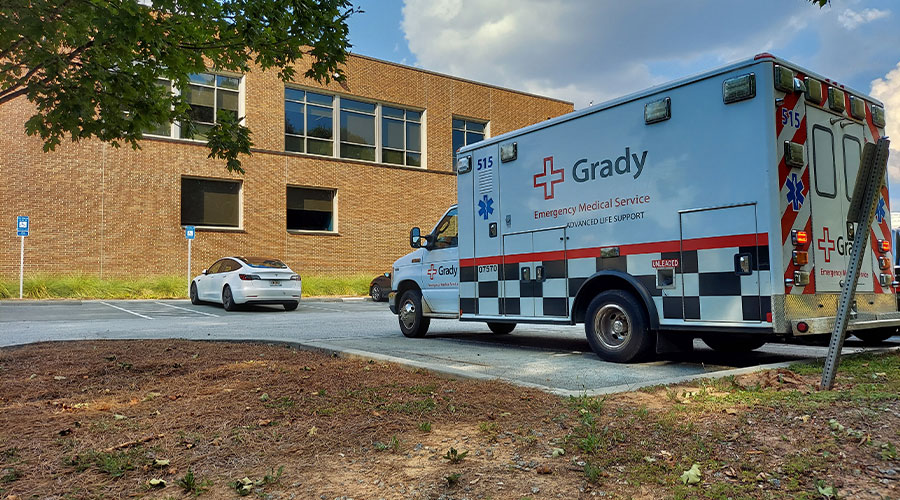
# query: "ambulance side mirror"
{"points": [[415, 237]]}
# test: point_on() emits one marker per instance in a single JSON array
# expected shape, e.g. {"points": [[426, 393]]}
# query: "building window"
{"points": [[466, 132], [401, 136], [357, 130], [310, 209], [209, 95], [164, 130], [308, 122], [210, 202]]}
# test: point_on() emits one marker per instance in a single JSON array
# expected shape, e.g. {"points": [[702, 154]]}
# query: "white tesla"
{"points": [[231, 281]]}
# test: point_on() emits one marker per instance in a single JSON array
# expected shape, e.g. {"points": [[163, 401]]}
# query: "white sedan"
{"points": [[241, 280]]}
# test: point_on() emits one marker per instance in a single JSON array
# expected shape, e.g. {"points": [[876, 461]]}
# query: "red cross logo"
{"points": [[548, 161], [431, 272], [827, 249]]}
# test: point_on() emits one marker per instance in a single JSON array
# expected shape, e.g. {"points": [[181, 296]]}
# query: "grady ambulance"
{"points": [[712, 206]]}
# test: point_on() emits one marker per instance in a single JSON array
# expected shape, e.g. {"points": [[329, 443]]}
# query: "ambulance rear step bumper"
{"points": [[860, 321]]}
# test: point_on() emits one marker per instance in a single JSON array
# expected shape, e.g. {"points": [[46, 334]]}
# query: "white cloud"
{"points": [[851, 19], [887, 90]]}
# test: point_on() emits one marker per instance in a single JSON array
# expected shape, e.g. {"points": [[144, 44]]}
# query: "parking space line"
{"points": [[186, 309], [126, 310], [320, 308]]}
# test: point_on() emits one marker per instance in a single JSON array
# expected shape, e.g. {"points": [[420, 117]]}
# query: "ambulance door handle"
{"points": [[539, 273], [526, 274]]}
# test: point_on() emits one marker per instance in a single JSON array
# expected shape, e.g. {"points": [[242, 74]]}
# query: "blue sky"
{"points": [[589, 51]]}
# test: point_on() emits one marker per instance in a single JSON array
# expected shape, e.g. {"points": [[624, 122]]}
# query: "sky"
{"points": [[590, 51]]}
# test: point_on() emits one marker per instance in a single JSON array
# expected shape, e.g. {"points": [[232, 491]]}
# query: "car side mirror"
{"points": [[415, 237], [205, 270], [387, 275]]}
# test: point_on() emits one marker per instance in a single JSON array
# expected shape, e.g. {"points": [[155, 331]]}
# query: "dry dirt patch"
{"points": [[104, 419]]}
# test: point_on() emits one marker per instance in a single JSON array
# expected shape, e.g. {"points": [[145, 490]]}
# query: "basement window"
{"points": [[311, 209]]}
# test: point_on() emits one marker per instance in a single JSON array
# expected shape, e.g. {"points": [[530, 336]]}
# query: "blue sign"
{"points": [[22, 225], [189, 232]]}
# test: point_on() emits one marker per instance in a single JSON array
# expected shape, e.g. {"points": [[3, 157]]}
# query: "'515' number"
{"points": [[789, 117], [484, 163]]}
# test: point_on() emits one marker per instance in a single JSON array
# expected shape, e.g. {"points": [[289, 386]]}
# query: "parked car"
{"points": [[380, 287], [232, 281]]}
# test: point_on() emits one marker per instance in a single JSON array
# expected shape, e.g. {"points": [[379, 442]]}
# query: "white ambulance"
{"points": [[713, 206]]}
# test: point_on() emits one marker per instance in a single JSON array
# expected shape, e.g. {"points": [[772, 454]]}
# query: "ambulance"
{"points": [[712, 207]]}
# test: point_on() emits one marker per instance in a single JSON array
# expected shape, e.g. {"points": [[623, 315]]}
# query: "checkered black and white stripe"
{"points": [[706, 285]]}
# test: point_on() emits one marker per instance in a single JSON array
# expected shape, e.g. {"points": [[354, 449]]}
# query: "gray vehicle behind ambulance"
{"points": [[712, 206]]}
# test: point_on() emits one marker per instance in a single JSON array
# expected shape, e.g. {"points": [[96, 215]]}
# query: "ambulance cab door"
{"points": [[440, 266], [835, 144]]}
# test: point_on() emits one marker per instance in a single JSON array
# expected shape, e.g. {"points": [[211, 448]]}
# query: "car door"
{"points": [[212, 281], [204, 281]]}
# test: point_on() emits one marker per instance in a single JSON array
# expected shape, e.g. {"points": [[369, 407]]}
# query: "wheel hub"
{"points": [[612, 326], [408, 314]]}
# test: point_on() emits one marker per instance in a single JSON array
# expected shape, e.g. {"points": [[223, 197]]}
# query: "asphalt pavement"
{"points": [[557, 359]]}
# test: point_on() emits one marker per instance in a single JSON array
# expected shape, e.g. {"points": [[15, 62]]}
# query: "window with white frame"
{"points": [[209, 95], [210, 202], [466, 132], [310, 209], [368, 131], [401, 136], [308, 122]]}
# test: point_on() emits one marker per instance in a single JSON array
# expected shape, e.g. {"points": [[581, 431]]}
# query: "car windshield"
{"points": [[264, 262]]}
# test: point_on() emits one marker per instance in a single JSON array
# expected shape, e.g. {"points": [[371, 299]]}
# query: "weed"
{"points": [[888, 451], [392, 445], [489, 429], [590, 443], [592, 472], [274, 476], [587, 403], [10, 475], [454, 456], [453, 479], [642, 412], [425, 426], [190, 484], [113, 463], [282, 403]]}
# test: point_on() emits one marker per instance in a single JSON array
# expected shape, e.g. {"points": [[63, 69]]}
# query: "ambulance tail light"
{"points": [[793, 154], [836, 99], [884, 246], [814, 92], [799, 238], [800, 258], [739, 88], [878, 116], [857, 108], [784, 79]]}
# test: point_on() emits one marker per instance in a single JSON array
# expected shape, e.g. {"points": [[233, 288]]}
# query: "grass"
{"points": [[86, 287]]}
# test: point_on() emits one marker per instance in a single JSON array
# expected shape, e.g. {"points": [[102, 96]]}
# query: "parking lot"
{"points": [[557, 359]]}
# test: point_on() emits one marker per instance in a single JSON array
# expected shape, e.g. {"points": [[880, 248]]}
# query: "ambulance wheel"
{"points": [[413, 323], [195, 299], [616, 327], [876, 336], [733, 343], [501, 328]]}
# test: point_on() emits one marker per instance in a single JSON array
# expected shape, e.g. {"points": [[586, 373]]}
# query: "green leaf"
{"points": [[692, 475]]}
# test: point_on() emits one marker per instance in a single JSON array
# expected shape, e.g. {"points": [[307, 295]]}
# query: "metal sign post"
{"points": [[869, 180], [189, 235], [22, 229]]}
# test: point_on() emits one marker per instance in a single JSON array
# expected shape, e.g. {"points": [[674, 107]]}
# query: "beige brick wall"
{"points": [[104, 211]]}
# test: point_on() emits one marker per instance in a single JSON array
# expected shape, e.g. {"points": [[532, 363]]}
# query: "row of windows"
{"points": [[366, 131], [218, 203]]}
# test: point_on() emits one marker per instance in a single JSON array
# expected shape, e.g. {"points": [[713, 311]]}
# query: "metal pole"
{"points": [[866, 193], [21, 265], [189, 267]]}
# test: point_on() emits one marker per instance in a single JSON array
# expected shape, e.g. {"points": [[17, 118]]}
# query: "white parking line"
{"points": [[186, 309], [126, 310], [320, 308]]}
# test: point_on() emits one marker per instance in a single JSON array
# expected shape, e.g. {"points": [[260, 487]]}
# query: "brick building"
{"points": [[338, 175]]}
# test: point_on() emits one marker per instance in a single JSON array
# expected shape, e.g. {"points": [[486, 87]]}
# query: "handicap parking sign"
{"points": [[189, 232], [22, 225]]}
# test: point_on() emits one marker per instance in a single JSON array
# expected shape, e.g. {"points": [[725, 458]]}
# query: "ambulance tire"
{"points": [[501, 328], [875, 336], [616, 327], [733, 343], [413, 323]]}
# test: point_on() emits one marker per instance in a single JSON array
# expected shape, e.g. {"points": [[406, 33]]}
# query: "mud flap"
{"points": [[667, 342]]}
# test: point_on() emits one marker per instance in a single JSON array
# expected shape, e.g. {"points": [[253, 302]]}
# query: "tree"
{"points": [[93, 68], [820, 3]]}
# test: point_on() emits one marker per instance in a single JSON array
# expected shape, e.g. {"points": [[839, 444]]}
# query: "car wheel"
{"points": [[228, 299], [616, 327], [413, 323], [876, 336], [376, 293], [733, 343], [290, 306], [501, 328], [194, 298]]}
